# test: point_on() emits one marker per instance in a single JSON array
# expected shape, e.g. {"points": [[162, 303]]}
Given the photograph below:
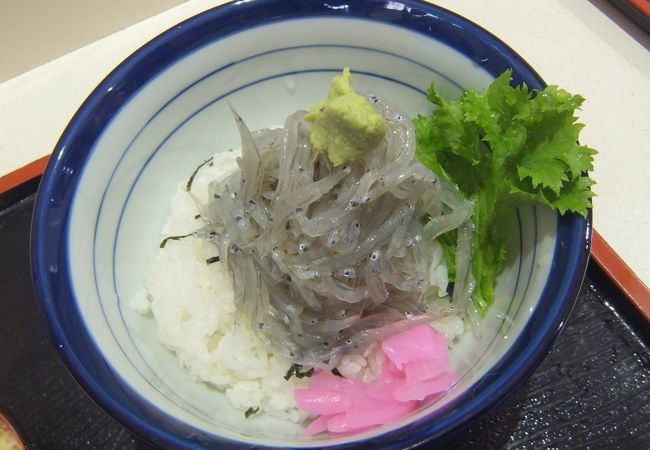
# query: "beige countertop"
{"points": [[33, 32], [587, 47]]}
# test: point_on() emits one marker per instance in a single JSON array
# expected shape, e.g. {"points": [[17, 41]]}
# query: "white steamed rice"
{"points": [[193, 305]]}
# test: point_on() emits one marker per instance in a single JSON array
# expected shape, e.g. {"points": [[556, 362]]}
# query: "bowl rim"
{"points": [[57, 189]]}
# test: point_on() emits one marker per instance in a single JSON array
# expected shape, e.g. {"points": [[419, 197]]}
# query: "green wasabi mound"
{"points": [[346, 126]]}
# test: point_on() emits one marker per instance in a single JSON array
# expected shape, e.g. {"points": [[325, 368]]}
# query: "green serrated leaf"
{"points": [[434, 96], [575, 197], [544, 168], [579, 159], [504, 147]]}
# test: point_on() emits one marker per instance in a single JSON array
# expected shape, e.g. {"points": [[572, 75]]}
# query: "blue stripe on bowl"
{"points": [[51, 217], [534, 258]]}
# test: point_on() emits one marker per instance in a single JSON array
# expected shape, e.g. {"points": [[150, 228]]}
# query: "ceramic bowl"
{"points": [[106, 191]]}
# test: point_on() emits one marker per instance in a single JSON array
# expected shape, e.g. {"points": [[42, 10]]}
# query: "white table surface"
{"points": [[571, 43]]}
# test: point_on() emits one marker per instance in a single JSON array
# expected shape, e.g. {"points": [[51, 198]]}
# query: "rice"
{"points": [[193, 306]]}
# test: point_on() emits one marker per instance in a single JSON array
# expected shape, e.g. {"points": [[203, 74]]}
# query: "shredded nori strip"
{"points": [[174, 238], [250, 411], [197, 216], [295, 370], [212, 259], [191, 180]]}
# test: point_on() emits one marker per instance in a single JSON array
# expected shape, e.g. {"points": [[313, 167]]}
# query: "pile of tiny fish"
{"points": [[327, 260]]}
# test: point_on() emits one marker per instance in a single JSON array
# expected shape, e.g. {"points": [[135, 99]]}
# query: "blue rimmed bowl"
{"points": [[106, 191]]}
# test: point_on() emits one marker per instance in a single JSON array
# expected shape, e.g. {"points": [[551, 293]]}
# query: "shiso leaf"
{"points": [[504, 147]]}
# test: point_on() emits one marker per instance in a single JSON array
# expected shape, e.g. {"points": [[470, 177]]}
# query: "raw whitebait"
{"points": [[326, 260]]}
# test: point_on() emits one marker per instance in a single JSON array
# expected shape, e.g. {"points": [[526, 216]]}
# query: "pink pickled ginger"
{"points": [[416, 367]]}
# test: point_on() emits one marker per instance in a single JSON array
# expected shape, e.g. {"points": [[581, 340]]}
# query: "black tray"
{"points": [[591, 391]]}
